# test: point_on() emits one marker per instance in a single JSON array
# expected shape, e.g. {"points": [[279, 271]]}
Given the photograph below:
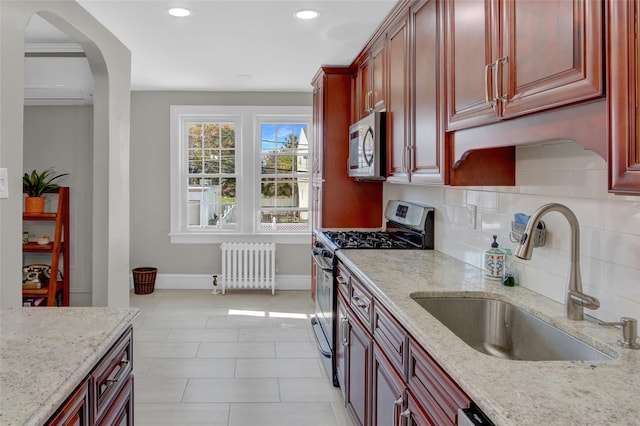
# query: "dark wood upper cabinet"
{"points": [[510, 58], [623, 97], [370, 81], [398, 135], [427, 90]]}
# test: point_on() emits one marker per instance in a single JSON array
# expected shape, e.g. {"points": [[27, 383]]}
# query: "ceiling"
{"points": [[237, 45]]}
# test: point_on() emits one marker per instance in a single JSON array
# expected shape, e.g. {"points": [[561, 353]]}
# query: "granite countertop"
{"points": [[510, 392], [45, 353]]}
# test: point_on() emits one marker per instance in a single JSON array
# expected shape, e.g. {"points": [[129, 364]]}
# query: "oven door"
{"points": [[322, 322]]}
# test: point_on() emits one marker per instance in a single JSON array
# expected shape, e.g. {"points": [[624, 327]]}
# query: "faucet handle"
{"points": [[629, 332]]}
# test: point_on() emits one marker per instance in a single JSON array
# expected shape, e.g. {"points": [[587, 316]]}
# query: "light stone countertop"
{"points": [[45, 353], [509, 392]]}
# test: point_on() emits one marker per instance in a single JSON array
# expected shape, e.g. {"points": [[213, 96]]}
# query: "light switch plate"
{"points": [[4, 183]]}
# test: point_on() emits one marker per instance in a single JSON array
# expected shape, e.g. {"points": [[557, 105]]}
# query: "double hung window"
{"points": [[240, 172]]}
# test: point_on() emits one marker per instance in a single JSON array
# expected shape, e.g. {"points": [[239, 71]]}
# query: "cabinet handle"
{"points": [[397, 406], [406, 413], [344, 323], [496, 81], [486, 83]]}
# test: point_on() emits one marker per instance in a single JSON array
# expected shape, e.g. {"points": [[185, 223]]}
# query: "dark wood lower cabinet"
{"points": [[387, 377], [75, 411], [387, 391], [105, 397], [358, 370], [121, 411]]}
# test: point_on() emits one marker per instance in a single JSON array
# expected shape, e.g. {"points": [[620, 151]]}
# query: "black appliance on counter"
{"points": [[409, 226]]}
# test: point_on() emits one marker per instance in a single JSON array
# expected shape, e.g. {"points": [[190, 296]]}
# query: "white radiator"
{"points": [[248, 266]]}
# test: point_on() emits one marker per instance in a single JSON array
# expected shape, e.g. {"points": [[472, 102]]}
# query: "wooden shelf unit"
{"points": [[59, 246]]}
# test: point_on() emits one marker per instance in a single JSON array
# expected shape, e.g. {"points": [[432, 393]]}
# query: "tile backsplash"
{"points": [[559, 172]]}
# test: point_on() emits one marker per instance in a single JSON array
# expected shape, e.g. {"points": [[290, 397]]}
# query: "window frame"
{"points": [[247, 172]]}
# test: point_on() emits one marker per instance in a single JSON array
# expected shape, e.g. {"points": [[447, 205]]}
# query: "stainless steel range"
{"points": [[409, 226]]}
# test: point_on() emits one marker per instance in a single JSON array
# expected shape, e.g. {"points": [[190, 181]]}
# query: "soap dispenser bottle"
{"points": [[494, 261]]}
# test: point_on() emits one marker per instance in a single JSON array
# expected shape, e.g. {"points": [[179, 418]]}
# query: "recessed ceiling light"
{"points": [[306, 14], [179, 12]]}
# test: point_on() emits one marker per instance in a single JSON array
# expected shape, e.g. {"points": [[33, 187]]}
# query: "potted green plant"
{"points": [[35, 184]]}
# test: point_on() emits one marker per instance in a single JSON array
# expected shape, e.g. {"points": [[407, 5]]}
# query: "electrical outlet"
{"points": [[4, 183], [471, 215]]}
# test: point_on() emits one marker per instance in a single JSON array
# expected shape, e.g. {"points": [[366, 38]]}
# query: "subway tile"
{"points": [[623, 216], [623, 281]]}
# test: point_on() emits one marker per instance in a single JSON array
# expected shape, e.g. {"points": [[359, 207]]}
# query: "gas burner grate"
{"points": [[365, 240]]}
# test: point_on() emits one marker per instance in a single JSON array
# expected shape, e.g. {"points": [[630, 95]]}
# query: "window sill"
{"points": [[210, 238]]}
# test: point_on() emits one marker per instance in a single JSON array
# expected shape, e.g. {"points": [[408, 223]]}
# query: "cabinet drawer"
{"points": [[111, 375], [361, 303], [391, 338], [121, 411], [343, 277], [435, 391]]}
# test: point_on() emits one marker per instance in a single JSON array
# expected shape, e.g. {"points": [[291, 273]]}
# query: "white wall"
{"points": [[110, 63], [60, 136], [150, 183], [562, 172]]}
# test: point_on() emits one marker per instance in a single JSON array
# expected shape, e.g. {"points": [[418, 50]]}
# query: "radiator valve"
{"points": [[215, 285]]}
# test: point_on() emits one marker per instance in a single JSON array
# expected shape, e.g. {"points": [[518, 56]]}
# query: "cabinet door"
{"points": [[470, 48], [316, 165], [378, 86], [387, 391], [342, 338], [75, 411], [364, 88], [358, 371], [623, 97], [398, 104], [416, 416], [553, 54], [427, 160]]}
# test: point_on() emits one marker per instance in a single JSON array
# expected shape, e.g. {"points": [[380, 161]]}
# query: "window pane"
{"points": [[228, 135], [211, 135], [228, 159], [267, 193], [195, 135]]}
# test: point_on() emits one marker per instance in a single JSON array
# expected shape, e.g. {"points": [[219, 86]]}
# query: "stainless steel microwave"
{"points": [[367, 159]]}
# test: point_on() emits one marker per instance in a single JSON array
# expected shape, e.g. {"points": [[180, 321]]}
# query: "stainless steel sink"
{"points": [[503, 330]]}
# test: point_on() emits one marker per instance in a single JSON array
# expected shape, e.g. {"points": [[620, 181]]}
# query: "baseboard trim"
{"points": [[204, 282]]}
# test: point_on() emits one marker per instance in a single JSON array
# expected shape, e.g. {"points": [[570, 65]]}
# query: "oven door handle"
{"points": [[321, 260], [323, 345]]}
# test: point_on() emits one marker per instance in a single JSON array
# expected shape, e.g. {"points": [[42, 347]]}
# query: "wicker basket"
{"points": [[144, 280]]}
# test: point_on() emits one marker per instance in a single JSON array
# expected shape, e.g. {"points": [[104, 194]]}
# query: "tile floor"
{"points": [[246, 358]]}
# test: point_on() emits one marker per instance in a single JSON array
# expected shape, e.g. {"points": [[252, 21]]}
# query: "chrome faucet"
{"points": [[575, 299]]}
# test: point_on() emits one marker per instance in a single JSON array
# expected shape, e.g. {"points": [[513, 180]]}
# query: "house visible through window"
{"points": [[240, 173], [284, 179]]}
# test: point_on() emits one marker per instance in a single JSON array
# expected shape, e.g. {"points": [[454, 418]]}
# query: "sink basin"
{"points": [[503, 330]]}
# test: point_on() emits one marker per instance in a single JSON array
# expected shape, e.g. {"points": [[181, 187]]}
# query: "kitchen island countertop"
{"points": [[45, 353], [510, 392]]}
